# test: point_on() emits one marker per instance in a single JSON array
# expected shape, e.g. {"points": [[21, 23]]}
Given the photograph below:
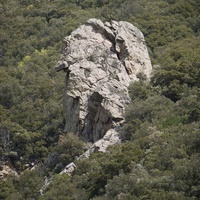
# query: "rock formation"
{"points": [[6, 170], [100, 61]]}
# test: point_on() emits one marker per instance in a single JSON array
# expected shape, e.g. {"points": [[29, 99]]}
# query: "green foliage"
{"points": [[93, 173], [63, 188], [139, 90], [66, 150], [159, 158], [24, 187], [8, 191], [29, 184], [180, 67], [126, 186]]}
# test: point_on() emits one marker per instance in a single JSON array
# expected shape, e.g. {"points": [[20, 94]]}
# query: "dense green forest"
{"points": [[160, 155]]}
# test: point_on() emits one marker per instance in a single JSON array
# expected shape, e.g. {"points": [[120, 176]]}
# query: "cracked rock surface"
{"points": [[100, 61]]}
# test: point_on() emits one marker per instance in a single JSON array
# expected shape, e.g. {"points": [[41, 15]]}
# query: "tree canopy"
{"points": [[160, 155]]}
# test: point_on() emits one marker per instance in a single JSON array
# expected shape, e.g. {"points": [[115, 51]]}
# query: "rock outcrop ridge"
{"points": [[100, 61]]}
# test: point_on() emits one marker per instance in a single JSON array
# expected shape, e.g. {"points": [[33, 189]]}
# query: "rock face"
{"points": [[6, 170], [100, 61]]}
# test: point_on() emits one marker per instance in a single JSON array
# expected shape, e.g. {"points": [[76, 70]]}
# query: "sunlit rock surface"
{"points": [[100, 61]]}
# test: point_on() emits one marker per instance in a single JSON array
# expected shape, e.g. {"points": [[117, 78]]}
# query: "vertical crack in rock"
{"points": [[101, 60], [72, 108], [98, 120]]}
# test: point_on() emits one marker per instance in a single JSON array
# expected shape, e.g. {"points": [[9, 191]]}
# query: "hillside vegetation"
{"points": [[160, 155]]}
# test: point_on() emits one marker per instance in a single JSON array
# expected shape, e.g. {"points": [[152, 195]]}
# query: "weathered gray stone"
{"points": [[101, 60], [69, 169], [6, 170]]}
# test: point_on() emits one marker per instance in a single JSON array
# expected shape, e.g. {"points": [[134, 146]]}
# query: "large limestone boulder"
{"points": [[100, 61]]}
